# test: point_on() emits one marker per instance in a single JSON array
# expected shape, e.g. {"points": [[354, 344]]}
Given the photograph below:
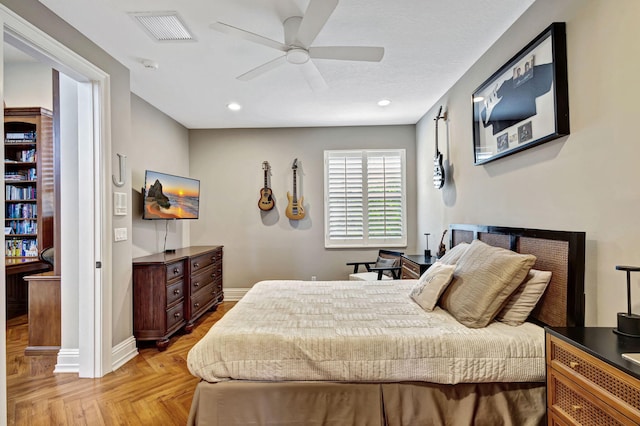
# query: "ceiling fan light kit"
{"points": [[299, 34]]}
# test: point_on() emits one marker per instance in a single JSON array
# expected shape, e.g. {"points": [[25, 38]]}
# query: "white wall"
{"points": [[267, 245], [162, 145], [28, 84], [587, 181]]}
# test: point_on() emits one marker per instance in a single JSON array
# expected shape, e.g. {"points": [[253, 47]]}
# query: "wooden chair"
{"points": [[385, 267]]}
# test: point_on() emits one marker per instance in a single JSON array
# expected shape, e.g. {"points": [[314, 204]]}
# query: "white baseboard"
{"points": [[234, 294], [68, 361], [123, 352]]}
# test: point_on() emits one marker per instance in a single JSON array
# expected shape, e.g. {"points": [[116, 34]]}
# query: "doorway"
{"points": [[91, 356]]}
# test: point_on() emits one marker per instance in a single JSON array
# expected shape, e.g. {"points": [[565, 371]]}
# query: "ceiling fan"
{"points": [[299, 34]]}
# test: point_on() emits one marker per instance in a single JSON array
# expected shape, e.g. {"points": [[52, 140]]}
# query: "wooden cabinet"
{"points": [[171, 291], [588, 381], [44, 314], [414, 265], [29, 181]]}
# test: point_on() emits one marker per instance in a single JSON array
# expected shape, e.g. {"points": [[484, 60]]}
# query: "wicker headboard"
{"points": [[561, 252]]}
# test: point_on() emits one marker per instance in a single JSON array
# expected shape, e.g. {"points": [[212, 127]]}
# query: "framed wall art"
{"points": [[524, 103]]}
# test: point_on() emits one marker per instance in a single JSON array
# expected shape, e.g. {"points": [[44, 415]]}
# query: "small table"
{"points": [[414, 265]]}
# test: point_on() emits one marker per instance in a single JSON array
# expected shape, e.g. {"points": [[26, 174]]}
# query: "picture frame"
{"points": [[524, 103]]}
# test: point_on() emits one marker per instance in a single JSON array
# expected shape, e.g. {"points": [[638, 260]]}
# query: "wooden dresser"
{"points": [[588, 381], [172, 290]]}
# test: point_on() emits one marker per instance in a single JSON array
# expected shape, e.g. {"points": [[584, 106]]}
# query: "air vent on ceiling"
{"points": [[163, 26]]}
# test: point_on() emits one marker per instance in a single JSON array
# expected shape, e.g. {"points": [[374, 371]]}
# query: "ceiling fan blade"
{"points": [[314, 18], [313, 76], [348, 53], [268, 66], [247, 35]]}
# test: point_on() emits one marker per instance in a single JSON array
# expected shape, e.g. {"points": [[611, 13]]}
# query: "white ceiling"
{"points": [[428, 45]]}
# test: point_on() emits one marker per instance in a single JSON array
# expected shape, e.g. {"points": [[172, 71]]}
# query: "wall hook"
{"points": [[123, 167]]}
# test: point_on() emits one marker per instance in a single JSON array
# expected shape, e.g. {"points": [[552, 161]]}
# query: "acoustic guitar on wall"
{"points": [[266, 201], [295, 210]]}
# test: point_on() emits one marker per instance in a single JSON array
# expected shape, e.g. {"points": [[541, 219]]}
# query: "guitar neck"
{"points": [[295, 191], [265, 180]]}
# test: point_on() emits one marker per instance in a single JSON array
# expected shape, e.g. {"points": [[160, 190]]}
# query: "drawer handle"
{"points": [[576, 407], [213, 275], [213, 258], [196, 265], [574, 364], [196, 305], [176, 291], [177, 315], [176, 270], [196, 284]]}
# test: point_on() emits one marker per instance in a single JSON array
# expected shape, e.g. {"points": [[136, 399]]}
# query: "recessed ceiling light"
{"points": [[384, 102], [234, 106]]}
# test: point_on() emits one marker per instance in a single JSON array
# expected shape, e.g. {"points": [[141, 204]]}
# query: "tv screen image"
{"points": [[170, 197]]}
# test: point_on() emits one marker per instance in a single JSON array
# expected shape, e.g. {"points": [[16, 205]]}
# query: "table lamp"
{"points": [[628, 323], [427, 252]]}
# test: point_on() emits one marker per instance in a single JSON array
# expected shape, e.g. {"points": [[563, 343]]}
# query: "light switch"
{"points": [[120, 234]]}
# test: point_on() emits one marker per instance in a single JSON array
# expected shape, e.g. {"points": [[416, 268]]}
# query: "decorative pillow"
{"points": [[431, 285], [385, 262], [525, 298], [451, 257], [485, 276]]}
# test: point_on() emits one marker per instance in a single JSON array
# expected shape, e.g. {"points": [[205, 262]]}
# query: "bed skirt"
{"points": [[380, 404]]}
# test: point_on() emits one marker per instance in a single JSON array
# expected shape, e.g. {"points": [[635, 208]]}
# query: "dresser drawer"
{"points": [[569, 401], [203, 299], [175, 292], [202, 261], [202, 279], [175, 316], [175, 270], [410, 270]]}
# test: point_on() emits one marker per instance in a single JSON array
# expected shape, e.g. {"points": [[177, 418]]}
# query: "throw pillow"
{"points": [[485, 276], [431, 285], [385, 262], [451, 257], [525, 298]]}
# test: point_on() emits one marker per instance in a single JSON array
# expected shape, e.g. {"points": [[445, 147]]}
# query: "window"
{"points": [[365, 203]]}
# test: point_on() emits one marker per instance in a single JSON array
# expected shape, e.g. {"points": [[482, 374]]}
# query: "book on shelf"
{"points": [[27, 247]]}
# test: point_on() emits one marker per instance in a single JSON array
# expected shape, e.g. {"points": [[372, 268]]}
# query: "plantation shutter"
{"points": [[364, 198]]}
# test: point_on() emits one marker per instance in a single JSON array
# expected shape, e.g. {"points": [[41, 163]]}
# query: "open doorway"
{"points": [[86, 315]]}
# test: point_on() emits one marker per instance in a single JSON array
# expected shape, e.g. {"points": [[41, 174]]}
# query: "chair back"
{"points": [[48, 255]]}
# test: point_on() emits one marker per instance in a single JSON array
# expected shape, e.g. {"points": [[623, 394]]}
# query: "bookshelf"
{"points": [[28, 182]]}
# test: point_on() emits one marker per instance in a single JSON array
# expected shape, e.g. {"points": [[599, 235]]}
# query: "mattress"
{"points": [[359, 331]]}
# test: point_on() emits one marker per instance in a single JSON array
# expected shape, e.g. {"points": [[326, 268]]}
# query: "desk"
{"points": [[414, 265], [44, 314], [16, 289]]}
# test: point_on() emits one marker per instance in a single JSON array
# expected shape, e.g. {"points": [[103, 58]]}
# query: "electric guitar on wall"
{"points": [[266, 201], [438, 170], [294, 210]]}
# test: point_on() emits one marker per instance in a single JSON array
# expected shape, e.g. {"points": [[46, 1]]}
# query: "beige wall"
{"points": [[587, 181], [258, 245], [161, 145], [28, 84]]}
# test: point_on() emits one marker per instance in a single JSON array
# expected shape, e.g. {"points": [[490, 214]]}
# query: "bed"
{"points": [[345, 352]]}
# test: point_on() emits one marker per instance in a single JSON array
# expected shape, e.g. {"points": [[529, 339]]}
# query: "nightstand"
{"points": [[588, 381], [414, 265]]}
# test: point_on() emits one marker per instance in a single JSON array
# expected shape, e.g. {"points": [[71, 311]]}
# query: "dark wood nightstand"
{"points": [[588, 381], [414, 265]]}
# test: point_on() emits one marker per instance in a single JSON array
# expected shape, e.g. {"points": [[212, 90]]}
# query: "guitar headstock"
{"points": [[294, 166], [265, 165]]}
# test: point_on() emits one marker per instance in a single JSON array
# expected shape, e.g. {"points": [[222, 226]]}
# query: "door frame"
{"points": [[94, 143]]}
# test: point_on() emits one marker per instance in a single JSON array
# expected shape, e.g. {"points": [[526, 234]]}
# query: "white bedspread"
{"points": [[359, 331]]}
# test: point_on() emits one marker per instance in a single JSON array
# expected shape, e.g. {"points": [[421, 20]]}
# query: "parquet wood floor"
{"points": [[154, 388]]}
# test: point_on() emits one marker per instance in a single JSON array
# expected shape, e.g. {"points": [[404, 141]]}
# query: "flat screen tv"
{"points": [[170, 197]]}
